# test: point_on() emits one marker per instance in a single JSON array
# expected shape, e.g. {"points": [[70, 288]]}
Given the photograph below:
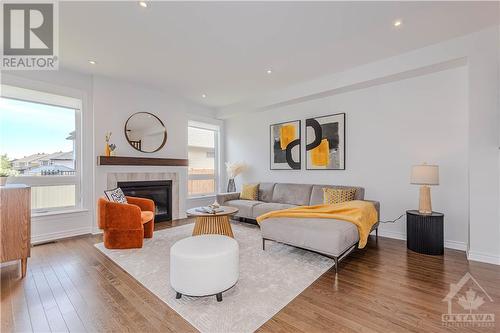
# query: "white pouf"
{"points": [[204, 265]]}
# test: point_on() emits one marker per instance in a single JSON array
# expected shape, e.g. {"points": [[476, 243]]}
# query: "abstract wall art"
{"points": [[325, 142], [285, 146]]}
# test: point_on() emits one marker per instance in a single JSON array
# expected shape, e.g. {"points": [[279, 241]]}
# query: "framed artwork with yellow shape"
{"points": [[285, 147], [325, 142]]}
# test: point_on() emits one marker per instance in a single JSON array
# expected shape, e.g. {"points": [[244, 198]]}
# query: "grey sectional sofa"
{"points": [[330, 237]]}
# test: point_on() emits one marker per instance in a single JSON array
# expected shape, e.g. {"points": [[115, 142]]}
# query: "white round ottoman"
{"points": [[204, 265]]}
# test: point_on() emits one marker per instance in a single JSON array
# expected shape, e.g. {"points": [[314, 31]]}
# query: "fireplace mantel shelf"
{"points": [[140, 161]]}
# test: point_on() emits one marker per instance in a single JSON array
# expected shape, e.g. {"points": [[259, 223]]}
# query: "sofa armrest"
{"points": [[377, 207], [223, 197]]}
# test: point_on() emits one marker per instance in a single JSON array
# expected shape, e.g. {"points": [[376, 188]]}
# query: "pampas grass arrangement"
{"points": [[234, 169]]}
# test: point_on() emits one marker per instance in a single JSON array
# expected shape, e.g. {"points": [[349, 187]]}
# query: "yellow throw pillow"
{"points": [[338, 195], [249, 192]]}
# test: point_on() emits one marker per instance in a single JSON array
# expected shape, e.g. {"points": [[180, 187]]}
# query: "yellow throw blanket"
{"points": [[361, 213]]}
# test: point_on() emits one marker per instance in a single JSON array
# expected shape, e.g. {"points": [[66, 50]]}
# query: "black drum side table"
{"points": [[425, 232]]}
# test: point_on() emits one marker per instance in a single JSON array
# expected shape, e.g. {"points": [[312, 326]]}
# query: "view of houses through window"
{"points": [[202, 152], [38, 148]]}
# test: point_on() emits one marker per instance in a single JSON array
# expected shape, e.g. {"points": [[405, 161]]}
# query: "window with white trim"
{"points": [[40, 146], [203, 152]]}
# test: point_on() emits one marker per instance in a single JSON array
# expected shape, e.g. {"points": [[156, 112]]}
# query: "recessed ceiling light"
{"points": [[203, 96], [92, 62], [143, 4], [397, 23], [269, 71]]}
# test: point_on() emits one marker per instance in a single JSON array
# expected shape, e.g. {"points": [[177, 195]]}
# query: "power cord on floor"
{"points": [[393, 221]]}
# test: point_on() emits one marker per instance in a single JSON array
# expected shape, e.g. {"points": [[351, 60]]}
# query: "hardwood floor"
{"points": [[70, 286]]}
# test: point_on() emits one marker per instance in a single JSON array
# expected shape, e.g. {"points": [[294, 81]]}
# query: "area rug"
{"points": [[268, 280]]}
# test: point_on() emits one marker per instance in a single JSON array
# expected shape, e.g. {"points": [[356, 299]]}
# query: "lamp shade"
{"points": [[425, 174]]}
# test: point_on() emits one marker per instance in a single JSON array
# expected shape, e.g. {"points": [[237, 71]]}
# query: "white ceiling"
{"points": [[223, 49]]}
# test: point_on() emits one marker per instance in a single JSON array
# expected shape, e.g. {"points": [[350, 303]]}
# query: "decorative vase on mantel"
{"points": [[107, 150], [231, 187]]}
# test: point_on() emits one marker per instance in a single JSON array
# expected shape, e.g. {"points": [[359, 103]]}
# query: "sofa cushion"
{"points": [[317, 193], [328, 236], [266, 207], [337, 195], [292, 194], [266, 192], [146, 216], [249, 192], [245, 207]]}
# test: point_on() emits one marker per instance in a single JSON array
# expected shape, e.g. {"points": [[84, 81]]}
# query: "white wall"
{"points": [[484, 138], [114, 102], [478, 54], [389, 128]]}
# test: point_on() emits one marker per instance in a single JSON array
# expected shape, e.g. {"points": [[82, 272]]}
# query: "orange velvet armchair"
{"points": [[125, 225]]}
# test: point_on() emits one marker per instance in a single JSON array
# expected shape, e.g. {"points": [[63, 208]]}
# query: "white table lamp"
{"points": [[425, 175]]}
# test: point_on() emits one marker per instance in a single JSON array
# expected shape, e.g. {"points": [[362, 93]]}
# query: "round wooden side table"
{"points": [[217, 223], [424, 232]]}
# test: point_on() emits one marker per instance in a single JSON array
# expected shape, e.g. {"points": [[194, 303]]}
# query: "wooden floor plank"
{"points": [[127, 286], [22, 319], [39, 320], [68, 312], [110, 315], [116, 298], [383, 288], [52, 311], [88, 314], [6, 314]]}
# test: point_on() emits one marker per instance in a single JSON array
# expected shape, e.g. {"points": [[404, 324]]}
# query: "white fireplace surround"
{"points": [[114, 177]]}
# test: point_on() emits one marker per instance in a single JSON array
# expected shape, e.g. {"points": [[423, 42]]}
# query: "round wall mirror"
{"points": [[145, 132]]}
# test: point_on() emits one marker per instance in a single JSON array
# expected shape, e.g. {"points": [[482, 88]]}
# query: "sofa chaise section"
{"points": [[331, 237]]}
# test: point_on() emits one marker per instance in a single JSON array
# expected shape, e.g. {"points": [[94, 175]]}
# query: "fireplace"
{"points": [[160, 191]]}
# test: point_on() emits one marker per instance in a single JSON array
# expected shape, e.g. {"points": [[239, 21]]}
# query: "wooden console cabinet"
{"points": [[15, 224]]}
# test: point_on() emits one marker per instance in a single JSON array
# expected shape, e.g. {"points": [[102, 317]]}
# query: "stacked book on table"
{"points": [[209, 210]]}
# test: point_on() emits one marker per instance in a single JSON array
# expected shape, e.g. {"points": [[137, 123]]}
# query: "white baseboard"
{"points": [[455, 245], [51, 227], [392, 234], [48, 237], [449, 244], [96, 231], [483, 257], [10, 263]]}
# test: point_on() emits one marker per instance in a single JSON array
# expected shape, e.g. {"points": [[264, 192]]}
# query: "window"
{"points": [[40, 147], [203, 151]]}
